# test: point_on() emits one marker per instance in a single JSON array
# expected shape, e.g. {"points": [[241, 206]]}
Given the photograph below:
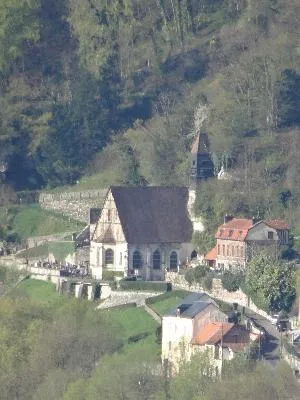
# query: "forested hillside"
{"points": [[120, 87]]}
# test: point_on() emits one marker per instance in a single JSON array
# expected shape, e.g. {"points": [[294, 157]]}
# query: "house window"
{"points": [[137, 260], [232, 251], [109, 257], [223, 249], [218, 249], [109, 215], [156, 261], [270, 235], [173, 260]]}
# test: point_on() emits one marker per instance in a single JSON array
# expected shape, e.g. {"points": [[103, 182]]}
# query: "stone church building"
{"points": [[142, 231]]}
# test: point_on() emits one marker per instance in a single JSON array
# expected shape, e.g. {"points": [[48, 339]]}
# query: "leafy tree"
{"points": [[232, 280], [270, 283]]}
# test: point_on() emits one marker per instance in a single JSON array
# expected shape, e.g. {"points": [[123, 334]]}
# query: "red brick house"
{"points": [[239, 238]]}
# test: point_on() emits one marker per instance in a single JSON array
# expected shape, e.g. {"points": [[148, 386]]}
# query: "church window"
{"points": [[137, 260], [173, 260], [109, 257], [156, 259], [108, 215], [120, 258]]}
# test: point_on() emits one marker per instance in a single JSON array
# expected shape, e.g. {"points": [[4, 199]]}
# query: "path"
{"points": [[118, 298]]}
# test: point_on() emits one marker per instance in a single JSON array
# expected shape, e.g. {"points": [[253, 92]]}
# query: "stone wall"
{"points": [[73, 204], [218, 292]]}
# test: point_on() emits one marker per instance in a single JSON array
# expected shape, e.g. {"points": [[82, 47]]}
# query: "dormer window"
{"points": [[230, 233]]}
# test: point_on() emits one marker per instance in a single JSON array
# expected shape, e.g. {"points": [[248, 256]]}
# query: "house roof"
{"points": [[191, 305], [234, 337], [153, 214], [235, 229], [212, 333], [200, 144], [212, 254], [278, 224]]}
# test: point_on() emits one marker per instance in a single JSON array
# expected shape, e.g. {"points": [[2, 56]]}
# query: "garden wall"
{"points": [[217, 292]]}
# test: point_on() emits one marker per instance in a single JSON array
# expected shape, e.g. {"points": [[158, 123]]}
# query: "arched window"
{"points": [[173, 260], [156, 259], [137, 261], [109, 257], [193, 255]]}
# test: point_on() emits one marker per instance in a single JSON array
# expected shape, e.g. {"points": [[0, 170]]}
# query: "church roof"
{"points": [[153, 214]]}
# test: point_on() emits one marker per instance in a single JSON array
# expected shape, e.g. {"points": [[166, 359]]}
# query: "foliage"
{"points": [[200, 274], [271, 284], [232, 280], [111, 275]]}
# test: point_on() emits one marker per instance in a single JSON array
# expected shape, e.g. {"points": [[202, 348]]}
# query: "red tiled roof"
{"points": [[279, 224], [212, 254], [235, 229], [212, 333]]}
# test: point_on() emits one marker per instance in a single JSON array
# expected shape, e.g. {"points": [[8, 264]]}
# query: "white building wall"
{"points": [[177, 334]]}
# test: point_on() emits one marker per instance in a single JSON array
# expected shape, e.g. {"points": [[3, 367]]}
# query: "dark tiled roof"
{"points": [[153, 214], [191, 305]]}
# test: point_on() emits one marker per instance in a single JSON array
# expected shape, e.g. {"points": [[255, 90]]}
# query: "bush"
{"points": [[232, 281], [200, 272], [110, 275], [145, 286], [207, 281]]}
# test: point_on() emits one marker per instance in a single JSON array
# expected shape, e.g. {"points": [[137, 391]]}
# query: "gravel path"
{"points": [[119, 298]]}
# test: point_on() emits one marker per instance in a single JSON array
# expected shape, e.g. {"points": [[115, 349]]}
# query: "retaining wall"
{"points": [[217, 292], [73, 204]]}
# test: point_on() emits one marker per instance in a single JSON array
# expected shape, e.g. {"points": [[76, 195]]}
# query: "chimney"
{"points": [[228, 218], [255, 220]]}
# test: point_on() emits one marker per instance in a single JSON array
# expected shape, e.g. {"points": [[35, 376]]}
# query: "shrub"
{"points": [[232, 281], [200, 272], [110, 275], [207, 281]]}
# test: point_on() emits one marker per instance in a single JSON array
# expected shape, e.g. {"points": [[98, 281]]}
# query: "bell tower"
{"points": [[202, 166]]}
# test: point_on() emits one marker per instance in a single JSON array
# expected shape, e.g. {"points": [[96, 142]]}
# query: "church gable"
{"points": [[109, 228]]}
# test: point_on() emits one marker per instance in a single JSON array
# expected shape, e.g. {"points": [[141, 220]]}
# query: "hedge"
{"points": [[145, 286], [110, 275]]}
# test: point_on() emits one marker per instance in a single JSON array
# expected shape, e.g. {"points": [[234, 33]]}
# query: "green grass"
{"points": [[33, 221], [132, 320], [59, 249], [38, 291], [162, 303]]}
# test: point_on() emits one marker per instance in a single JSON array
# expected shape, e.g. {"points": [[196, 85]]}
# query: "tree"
{"points": [[270, 283]]}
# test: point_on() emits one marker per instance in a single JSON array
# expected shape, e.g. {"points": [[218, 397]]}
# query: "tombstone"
{"points": [[90, 292], [78, 290]]}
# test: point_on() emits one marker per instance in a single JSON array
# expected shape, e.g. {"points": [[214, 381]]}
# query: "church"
{"points": [[144, 231]]}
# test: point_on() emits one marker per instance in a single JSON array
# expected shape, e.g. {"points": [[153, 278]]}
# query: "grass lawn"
{"points": [[59, 249], [38, 291], [33, 221], [133, 321], [163, 306]]}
